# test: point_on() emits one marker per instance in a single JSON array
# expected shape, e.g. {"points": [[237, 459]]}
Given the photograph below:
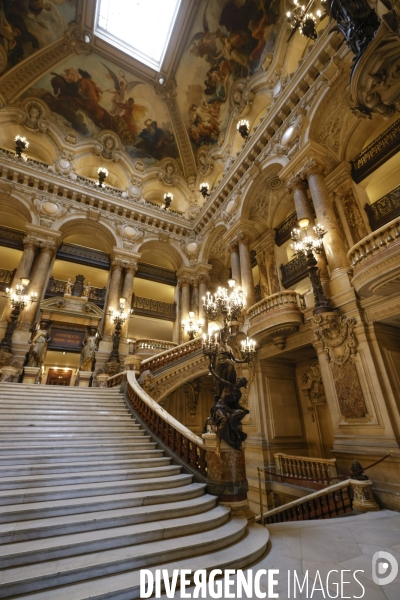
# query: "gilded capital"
{"points": [[296, 183], [312, 166]]}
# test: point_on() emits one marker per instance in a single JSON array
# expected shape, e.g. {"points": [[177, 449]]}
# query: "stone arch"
{"points": [[101, 231], [209, 241], [17, 205], [168, 250]]}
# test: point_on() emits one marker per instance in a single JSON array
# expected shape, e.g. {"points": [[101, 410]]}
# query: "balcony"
{"points": [[294, 271], [376, 261], [384, 210], [276, 317]]}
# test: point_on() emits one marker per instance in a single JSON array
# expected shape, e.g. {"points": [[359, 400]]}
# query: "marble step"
{"points": [[57, 417], [78, 411], [52, 390], [126, 586], [12, 447], [172, 507], [46, 459], [174, 488], [68, 426], [143, 468], [74, 544], [150, 480], [21, 580], [150, 458]]}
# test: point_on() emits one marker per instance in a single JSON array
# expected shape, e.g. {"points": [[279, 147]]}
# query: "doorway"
{"points": [[59, 377]]}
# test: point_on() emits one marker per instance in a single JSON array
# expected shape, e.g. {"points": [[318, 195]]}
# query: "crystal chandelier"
{"points": [[192, 328], [19, 300]]}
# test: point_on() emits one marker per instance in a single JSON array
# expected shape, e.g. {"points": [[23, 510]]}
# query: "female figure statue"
{"points": [[88, 350], [38, 348]]}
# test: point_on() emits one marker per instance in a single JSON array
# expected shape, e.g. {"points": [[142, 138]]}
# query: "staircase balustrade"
{"points": [[375, 243], [286, 299], [333, 501], [148, 344], [176, 354], [304, 467], [181, 441]]}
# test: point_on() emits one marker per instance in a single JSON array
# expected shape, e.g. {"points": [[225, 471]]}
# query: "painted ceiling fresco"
{"points": [[229, 40], [90, 94], [28, 25]]}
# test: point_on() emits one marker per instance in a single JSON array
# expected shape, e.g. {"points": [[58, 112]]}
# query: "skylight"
{"points": [[141, 28]]}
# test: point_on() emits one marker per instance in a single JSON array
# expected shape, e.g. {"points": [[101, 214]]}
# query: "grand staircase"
{"points": [[87, 500]]}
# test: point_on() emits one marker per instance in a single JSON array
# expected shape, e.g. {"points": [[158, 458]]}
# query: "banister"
{"points": [[278, 300], [168, 356], [375, 242]]}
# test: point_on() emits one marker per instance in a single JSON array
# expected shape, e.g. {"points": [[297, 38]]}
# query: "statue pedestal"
{"points": [[364, 500], [84, 378], [227, 477], [31, 374], [101, 380], [9, 374]]}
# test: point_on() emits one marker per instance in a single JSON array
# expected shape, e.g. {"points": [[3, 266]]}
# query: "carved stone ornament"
{"points": [[109, 146], [48, 211], [34, 116], [312, 384], [336, 334]]}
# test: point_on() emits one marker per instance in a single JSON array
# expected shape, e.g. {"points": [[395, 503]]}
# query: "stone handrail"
{"points": [[332, 501], [147, 343], [279, 300], [180, 440], [178, 353], [305, 467], [116, 379], [375, 242]]}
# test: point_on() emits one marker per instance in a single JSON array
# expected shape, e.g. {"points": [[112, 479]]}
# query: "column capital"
{"points": [[313, 166], [296, 183], [241, 227], [116, 265], [130, 267], [41, 236], [265, 242], [184, 281], [29, 242], [125, 257]]}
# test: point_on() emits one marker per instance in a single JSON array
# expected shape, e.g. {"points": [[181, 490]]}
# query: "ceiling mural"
{"points": [[229, 39], [28, 25], [90, 94]]}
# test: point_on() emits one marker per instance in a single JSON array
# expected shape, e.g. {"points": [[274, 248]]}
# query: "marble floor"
{"points": [[346, 544]]}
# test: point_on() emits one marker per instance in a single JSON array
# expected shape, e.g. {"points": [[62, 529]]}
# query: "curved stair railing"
{"points": [[184, 446]]}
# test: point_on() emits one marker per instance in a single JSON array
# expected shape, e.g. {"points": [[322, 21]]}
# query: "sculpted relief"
{"points": [[91, 95], [230, 40]]}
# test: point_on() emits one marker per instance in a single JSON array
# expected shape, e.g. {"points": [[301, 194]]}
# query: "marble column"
{"points": [[203, 285], [304, 211], [177, 332], [235, 264], [127, 292], [23, 270], [246, 271], [262, 271], [334, 245], [114, 293], [38, 281], [195, 297], [185, 304]]}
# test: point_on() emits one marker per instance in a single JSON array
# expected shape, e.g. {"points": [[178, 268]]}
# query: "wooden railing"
{"points": [[304, 467], [332, 501], [181, 441], [279, 300], [162, 360], [384, 210], [375, 243], [148, 344]]}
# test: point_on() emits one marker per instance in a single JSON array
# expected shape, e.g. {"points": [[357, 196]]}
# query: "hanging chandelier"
{"points": [[305, 19]]}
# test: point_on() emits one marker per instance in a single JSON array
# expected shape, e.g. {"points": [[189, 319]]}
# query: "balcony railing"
{"points": [[284, 229], [148, 307], [294, 271], [279, 300], [147, 347], [305, 467], [384, 210], [6, 278], [367, 256], [174, 355]]}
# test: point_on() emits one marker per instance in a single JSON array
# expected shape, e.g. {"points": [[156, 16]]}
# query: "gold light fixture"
{"points": [[102, 173], [243, 128], [21, 144]]}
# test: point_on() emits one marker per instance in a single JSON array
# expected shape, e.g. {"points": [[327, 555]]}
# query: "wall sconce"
{"points": [[168, 199], [21, 144], [243, 128], [204, 187], [102, 173]]}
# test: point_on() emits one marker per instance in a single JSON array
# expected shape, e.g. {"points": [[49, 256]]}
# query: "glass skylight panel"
{"points": [[142, 28]]}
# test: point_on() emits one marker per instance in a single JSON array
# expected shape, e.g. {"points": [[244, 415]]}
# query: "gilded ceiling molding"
{"points": [[15, 81], [168, 94]]}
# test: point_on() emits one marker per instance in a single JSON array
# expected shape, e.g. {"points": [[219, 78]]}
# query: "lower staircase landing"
{"points": [[88, 499]]}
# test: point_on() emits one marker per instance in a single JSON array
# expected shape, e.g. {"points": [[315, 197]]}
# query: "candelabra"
{"points": [[168, 199], [18, 302], [301, 18], [21, 143], [102, 173], [192, 328], [119, 317], [229, 306], [243, 128], [204, 187], [307, 246]]}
